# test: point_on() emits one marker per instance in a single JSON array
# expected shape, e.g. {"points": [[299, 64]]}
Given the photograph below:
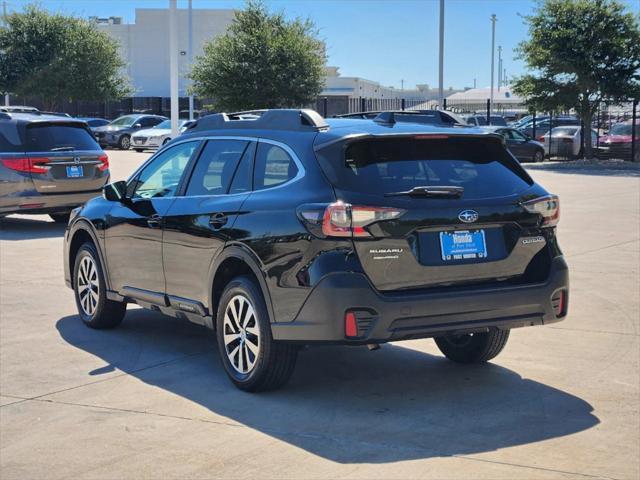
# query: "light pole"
{"points": [[493, 48], [4, 21], [499, 66], [190, 56], [441, 59], [173, 67]]}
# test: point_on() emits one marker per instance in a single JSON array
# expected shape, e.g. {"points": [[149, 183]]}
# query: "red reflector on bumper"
{"points": [[350, 325]]}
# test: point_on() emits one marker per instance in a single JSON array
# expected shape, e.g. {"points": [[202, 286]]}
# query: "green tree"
{"points": [[59, 58], [581, 51], [263, 61]]}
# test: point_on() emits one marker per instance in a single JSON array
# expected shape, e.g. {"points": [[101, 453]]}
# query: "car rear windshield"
{"points": [[379, 166], [51, 137]]}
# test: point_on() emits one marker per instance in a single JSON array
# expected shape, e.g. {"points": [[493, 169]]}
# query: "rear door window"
{"points": [[50, 137], [378, 166], [215, 167]]}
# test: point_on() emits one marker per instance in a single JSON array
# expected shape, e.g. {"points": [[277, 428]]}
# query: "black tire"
{"points": [[139, 150], [274, 362], [107, 313], [124, 142], [60, 217], [473, 348], [165, 141], [538, 156]]}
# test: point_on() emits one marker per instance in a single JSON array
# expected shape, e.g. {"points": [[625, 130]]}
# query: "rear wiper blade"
{"points": [[62, 149], [434, 191]]}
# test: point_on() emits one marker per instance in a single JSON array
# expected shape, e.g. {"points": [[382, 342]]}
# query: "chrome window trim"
{"points": [[284, 146]]}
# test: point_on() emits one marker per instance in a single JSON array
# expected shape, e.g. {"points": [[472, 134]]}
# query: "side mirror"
{"points": [[115, 192], [137, 125]]}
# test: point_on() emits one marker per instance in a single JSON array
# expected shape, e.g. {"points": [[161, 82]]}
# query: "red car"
{"points": [[617, 142]]}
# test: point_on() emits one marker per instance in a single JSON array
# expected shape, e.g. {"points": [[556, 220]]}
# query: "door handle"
{"points": [[218, 220], [154, 221]]}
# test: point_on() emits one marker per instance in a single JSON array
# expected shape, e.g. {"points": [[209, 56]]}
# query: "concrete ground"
{"points": [[150, 399]]}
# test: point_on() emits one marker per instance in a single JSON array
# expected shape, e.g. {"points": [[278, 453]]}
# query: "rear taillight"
{"points": [[548, 207], [105, 162], [345, 220], [27, 164]]}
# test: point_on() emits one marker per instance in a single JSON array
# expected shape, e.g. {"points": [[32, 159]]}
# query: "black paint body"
{"points": [[309, 281]]}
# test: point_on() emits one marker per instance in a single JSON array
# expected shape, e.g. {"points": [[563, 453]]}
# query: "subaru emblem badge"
{"points": [[468, 216], [76, 160]]}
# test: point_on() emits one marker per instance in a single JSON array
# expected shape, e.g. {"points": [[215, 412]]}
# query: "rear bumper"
{"points": [[404, 315], [38, 204]]}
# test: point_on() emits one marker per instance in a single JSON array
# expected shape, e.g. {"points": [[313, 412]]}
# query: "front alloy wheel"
{"points": [[87, 285], [94, 308], [125, 142]]}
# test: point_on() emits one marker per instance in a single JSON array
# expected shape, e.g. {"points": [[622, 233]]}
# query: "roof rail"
{"points": [[273, 119]]}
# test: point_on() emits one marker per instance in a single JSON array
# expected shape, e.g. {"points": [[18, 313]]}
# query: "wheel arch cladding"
{"points": [[80, 235], [232, 262]]}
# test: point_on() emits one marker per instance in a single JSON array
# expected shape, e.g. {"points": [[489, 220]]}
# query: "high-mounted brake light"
{"points": [[27, 164], [548, 207], [345, 220], [105, 162]]}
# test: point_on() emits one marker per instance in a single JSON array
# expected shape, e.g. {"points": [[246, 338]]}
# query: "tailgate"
{"points": [[436, 210], [65, 158]]}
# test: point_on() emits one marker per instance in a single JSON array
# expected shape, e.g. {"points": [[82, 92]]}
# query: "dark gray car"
{"points": [[48, 165], [524, 148], [118, 133]]}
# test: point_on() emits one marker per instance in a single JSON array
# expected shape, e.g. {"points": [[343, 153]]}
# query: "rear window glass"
{"points": [[380, 166], [51, 137]]}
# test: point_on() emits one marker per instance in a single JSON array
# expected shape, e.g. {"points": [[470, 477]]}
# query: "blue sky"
{"points": [[382, 40]]}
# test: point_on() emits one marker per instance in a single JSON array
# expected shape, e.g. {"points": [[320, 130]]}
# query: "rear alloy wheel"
{"points": [[473, 347], [95, 310], [60, 217], [250, 356], [538, 157], [125, 142]]}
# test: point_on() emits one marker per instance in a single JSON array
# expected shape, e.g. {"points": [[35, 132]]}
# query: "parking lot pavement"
{"points": [[150, 399]]}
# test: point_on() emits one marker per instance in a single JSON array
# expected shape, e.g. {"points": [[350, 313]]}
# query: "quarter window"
{"points": [[216, 166], [162, 176], [273, 167]]}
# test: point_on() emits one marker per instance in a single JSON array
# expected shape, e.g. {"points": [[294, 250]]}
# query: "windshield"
{"points": [[623, 129], [562, 131], [125, 121], [166, 124]]}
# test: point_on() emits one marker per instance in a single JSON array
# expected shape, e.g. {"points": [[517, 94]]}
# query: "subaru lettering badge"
{"points": [[468, 216]]}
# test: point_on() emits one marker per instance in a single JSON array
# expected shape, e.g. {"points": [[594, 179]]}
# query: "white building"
{"points": [[144, 45], [355, 87]]}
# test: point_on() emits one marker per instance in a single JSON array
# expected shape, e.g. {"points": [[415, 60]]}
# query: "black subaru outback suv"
{"points": [[277, 229]]}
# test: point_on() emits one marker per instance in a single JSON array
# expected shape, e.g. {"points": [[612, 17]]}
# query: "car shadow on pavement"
{"points": [[345, 404], [12, 228]]}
